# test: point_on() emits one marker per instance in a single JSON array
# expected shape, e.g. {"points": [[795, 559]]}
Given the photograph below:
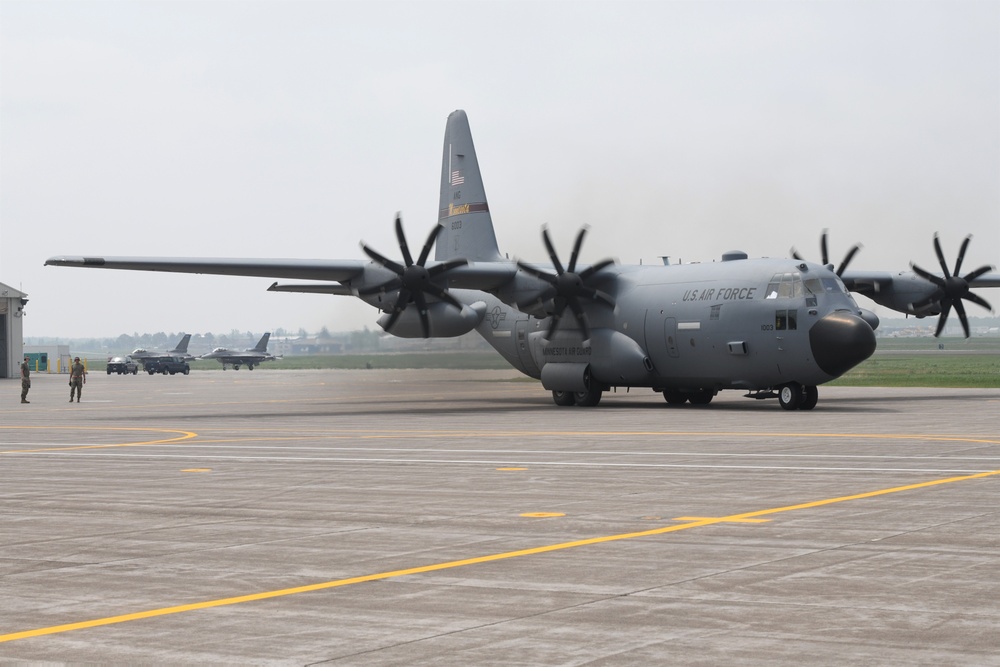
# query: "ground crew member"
{"points": [[77, 378], [25, 380]]}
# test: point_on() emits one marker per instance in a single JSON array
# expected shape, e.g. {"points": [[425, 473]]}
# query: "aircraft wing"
{"points": [[474, 275], [307, 269], [868, 282], [484, 276]]}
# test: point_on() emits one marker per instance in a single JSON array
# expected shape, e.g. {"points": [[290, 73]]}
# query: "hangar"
{"points": [[12, 304]]}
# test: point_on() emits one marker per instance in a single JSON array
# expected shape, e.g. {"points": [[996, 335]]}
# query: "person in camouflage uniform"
{"points": [[25, 380], [77, 378]]}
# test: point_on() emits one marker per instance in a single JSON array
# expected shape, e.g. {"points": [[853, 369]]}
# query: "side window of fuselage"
{"points": [[786, 320]]}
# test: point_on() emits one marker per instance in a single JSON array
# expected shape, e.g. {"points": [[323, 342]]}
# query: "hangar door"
{"points": [[3, 347]]}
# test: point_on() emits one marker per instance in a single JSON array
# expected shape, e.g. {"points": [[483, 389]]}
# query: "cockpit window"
{"points": [[785, 286], [834, 285]]}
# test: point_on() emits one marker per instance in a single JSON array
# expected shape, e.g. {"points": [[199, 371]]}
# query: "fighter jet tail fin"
{"points": [[464, 213], [182, 347], [262, 343]]}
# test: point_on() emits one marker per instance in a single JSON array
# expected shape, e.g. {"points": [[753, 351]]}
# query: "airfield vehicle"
{"points": [[122, 365], [166, 365]]}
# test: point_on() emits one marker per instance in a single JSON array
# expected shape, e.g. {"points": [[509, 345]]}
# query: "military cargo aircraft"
{"points": [[773, 328], [252, 356], [179, 352]]}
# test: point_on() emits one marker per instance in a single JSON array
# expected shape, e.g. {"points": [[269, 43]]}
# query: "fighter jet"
{"points": [[180, 352], [252, 356], [770, 327]]}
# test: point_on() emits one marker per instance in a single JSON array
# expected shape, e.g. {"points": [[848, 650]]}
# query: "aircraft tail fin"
{"points": [[182, 347], [463, 213], [262, 343]]}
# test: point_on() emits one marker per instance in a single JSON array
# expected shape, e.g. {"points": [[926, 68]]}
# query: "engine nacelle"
{"points": [[444, 320]]}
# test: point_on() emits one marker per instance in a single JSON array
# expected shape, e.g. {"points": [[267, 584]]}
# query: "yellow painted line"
{"points": [[702, 518], [436, 567], [197, 470], [510, 469], [183, 435], [464, 433], [541, 515]]}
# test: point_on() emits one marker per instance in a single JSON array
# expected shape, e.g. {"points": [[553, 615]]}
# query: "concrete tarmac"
{"points": [[460, 518]]}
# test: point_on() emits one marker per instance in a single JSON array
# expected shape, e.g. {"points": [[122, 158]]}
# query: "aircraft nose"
{"points": [[840, 341]]}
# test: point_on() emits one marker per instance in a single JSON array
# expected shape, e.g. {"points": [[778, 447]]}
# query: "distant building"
{"points": [[12, 304], [314, 346], [48, 358]]}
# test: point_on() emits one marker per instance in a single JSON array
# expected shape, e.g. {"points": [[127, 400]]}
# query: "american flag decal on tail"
{"points": [[457, 178]]}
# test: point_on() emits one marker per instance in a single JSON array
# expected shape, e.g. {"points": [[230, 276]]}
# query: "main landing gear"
{"points": [[585, 399], [794, 396]]}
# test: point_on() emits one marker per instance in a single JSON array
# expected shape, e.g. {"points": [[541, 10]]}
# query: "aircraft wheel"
{"points": [[674, 398], [809, 397], [249, 367], [790, 395], [701, 397], [563, 398], [588, 399], [236, 368], [109, 371]]}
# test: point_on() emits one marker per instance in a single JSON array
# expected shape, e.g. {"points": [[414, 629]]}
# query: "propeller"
{"points": [[413, 280], [567, 287], [952, 288], [826, 260]]}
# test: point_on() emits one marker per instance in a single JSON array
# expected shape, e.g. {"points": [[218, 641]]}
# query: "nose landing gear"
{"points": [[794, 396]]}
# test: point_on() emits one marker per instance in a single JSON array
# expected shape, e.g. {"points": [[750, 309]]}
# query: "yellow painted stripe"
{"points": [[700, 518], [110, 620], [182, 435]]}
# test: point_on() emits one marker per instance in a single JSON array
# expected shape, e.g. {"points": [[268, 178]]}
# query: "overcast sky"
{"points": [[298, 129]]}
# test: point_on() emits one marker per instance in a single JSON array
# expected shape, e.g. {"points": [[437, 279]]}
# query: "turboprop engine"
{"points": [[443, 320]]}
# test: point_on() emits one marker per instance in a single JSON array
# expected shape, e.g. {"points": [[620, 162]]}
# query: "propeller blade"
{"points": [[396, 312], [401, 237], [961, 256], [538, 273], [972, 275], [446, 266], [945, 311], [378, 258], [591, 270], [847, 259], [429, 243], [940, 256], [442, 294], [596, 295], [822, 247], [978, 300], [553, 257], [421, 302], [576, 249], [960, 309], [927, 276]]}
